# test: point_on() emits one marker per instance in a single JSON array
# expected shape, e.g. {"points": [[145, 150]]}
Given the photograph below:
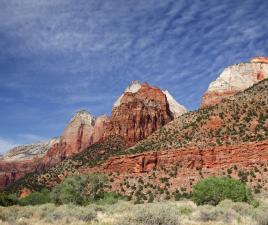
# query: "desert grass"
{"points": [[126, 213]]}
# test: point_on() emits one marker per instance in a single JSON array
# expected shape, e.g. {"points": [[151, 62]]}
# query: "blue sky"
{"points": [[59, 56]]}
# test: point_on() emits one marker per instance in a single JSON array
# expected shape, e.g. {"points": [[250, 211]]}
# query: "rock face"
{"points": [[13, 170], [140, 111], [137, 113], [216, 157], [234, 79], [28, 152], [76, 136], [176, 108], [185, 167], [82, 131], [101, 125], [22, 160]]}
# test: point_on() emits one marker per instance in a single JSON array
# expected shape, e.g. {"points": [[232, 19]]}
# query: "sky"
{"points": [[60, 56]]}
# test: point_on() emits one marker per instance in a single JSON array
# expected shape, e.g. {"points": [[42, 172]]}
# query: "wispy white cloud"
{"points": [[57, 56]]}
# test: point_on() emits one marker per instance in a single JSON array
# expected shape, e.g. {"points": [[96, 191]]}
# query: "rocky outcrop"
{"points": [[182, 168], [216, 157], [25, 192], [234, 79], [101, 125], [259, 60], [140, 111], [10, 171], [82, 131], [76, 136]]}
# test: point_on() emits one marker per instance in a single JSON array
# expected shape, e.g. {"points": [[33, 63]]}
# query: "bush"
{"points": [[36, 198], [8, 199], [151, 214], [79, 190], [215, 189], [111, 198]]}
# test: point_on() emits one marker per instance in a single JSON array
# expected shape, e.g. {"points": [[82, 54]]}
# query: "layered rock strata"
{"points": [[234, 79], [140, 111]]}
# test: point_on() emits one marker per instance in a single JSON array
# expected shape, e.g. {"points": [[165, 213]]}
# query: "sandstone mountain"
{"points": [[228, 138], [138, 112], [234, 79], [76, 137], [176, 108], [22, 160]]}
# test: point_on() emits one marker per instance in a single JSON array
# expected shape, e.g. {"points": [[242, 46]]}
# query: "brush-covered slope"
{"points": [[92, 156], [242, 118]]}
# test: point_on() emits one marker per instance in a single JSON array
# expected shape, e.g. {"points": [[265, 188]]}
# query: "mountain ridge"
{"points": [[84, 129], [109, 157]]}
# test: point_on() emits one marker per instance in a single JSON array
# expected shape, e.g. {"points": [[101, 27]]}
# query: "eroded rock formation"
{"points": [[82, 131], [140, 111], [234, 79]]}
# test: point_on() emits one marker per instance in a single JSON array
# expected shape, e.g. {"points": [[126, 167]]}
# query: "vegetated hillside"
{"points": [[236, 120], [240, 119]]}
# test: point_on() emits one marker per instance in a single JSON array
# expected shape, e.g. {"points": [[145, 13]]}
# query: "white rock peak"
{"points": [[29, 151], [238, 77], [84, 117], [176, 108], [134, 87]]}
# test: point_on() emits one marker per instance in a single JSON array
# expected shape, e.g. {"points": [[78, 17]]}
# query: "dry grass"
{"points": [[126, 213]]}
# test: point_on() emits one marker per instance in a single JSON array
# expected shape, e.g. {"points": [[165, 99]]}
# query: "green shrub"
{"points": [[36, 198], [79, 190], [215, 189], [111, 198], [8, 199]]}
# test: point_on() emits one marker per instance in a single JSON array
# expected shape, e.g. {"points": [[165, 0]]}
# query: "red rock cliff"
{"points": [[83, 131], [140, 111], [215, 157]]}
